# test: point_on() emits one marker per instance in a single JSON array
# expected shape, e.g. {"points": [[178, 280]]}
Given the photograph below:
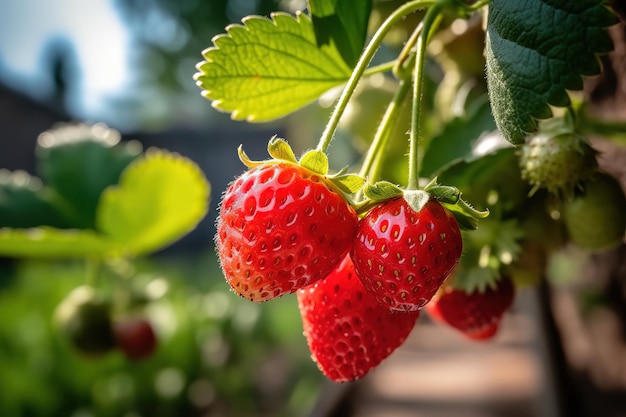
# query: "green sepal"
{"points": [[476, 279], [278, 148], [465, 214], [316, 161], [245, 159], [381, 191], [444, 193], [347, 183]]}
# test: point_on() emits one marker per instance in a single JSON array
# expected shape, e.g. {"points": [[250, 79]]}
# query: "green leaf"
{"points": [[454, 142], [536, 50], [160, 197], [78, 162], [268, 68], [25, 202], [316, 161], [342, 25], [48, 242]]}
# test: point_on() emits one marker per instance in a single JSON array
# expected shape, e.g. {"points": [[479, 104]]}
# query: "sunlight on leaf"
{"points": [[268, 68], [160, 198], [48, 242]]}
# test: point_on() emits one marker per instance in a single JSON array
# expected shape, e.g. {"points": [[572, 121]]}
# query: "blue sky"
{"points": [[96, 33]]}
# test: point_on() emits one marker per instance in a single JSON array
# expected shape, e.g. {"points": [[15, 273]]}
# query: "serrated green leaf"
{"points": [[342, 25], [348, 183], [160, 197], [78, 162], [316, 161], [381, 191], [279, 149], [48, 242], [268, 68], [536, 50], [25, 202]]}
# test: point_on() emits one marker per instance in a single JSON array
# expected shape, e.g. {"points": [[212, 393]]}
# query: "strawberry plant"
{"points": [[488, 168], [107, 202]]}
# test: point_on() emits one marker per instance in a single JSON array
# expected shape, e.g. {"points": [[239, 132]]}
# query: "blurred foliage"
{"points": [[205, 363]]}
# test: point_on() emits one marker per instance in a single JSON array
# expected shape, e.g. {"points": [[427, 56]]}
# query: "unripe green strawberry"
{"points": [[83, 317], [596, 217], [557, 162]]}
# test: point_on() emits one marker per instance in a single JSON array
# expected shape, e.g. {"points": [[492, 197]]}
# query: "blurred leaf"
{"points": [[342, 25], [160, 197], [454, 142], [25, 203], [268, 68], [78, 162], [473, 171], [48, 242]]}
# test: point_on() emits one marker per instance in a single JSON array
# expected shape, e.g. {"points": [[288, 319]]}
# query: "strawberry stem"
{"points": [[360, 67], [430, 22], [372, 163]]}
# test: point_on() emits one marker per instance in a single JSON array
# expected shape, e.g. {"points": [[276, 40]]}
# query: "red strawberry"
{"points": [[401, 256], [281, 227], [135, 337], [477, 315], [348, 331]]}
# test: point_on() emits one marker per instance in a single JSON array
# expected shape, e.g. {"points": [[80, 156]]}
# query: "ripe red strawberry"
{"points": [[477, 315], [401, 256], [281, 227], [348, 331], [135, 337]]}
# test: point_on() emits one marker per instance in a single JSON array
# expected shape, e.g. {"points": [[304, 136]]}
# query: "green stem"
{"points": [[430, 22], [384, 67], [399, 69], [92, 271], [371, 163], [476, 6], [361, 65]]}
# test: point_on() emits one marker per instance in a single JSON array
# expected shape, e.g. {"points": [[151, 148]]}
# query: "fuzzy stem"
{"points": [[430, 22], [361, 65], [371, 163]]}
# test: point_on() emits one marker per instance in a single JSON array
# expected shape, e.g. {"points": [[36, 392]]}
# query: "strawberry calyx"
{"points": [[448, 196], [313, 160]]}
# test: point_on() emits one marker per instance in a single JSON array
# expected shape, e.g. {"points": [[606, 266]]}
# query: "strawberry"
{"points": [[281, 227], [347, 330], [135, 337], [595, 218], [557, 162], [477, 314], [402, 256]]}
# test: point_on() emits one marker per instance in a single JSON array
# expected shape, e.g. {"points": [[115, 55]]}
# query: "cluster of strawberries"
{"points": [[361, 282]]}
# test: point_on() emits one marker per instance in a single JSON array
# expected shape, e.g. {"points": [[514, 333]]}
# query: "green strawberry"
{"points": [[557, 162], [84, 318], [596, 217]]}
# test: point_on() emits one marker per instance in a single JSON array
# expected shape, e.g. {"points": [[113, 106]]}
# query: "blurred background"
{"points": [[129, 64]]}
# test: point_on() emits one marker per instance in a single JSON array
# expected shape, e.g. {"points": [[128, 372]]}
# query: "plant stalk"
{"points": [[361, 65], [430, 22]]}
